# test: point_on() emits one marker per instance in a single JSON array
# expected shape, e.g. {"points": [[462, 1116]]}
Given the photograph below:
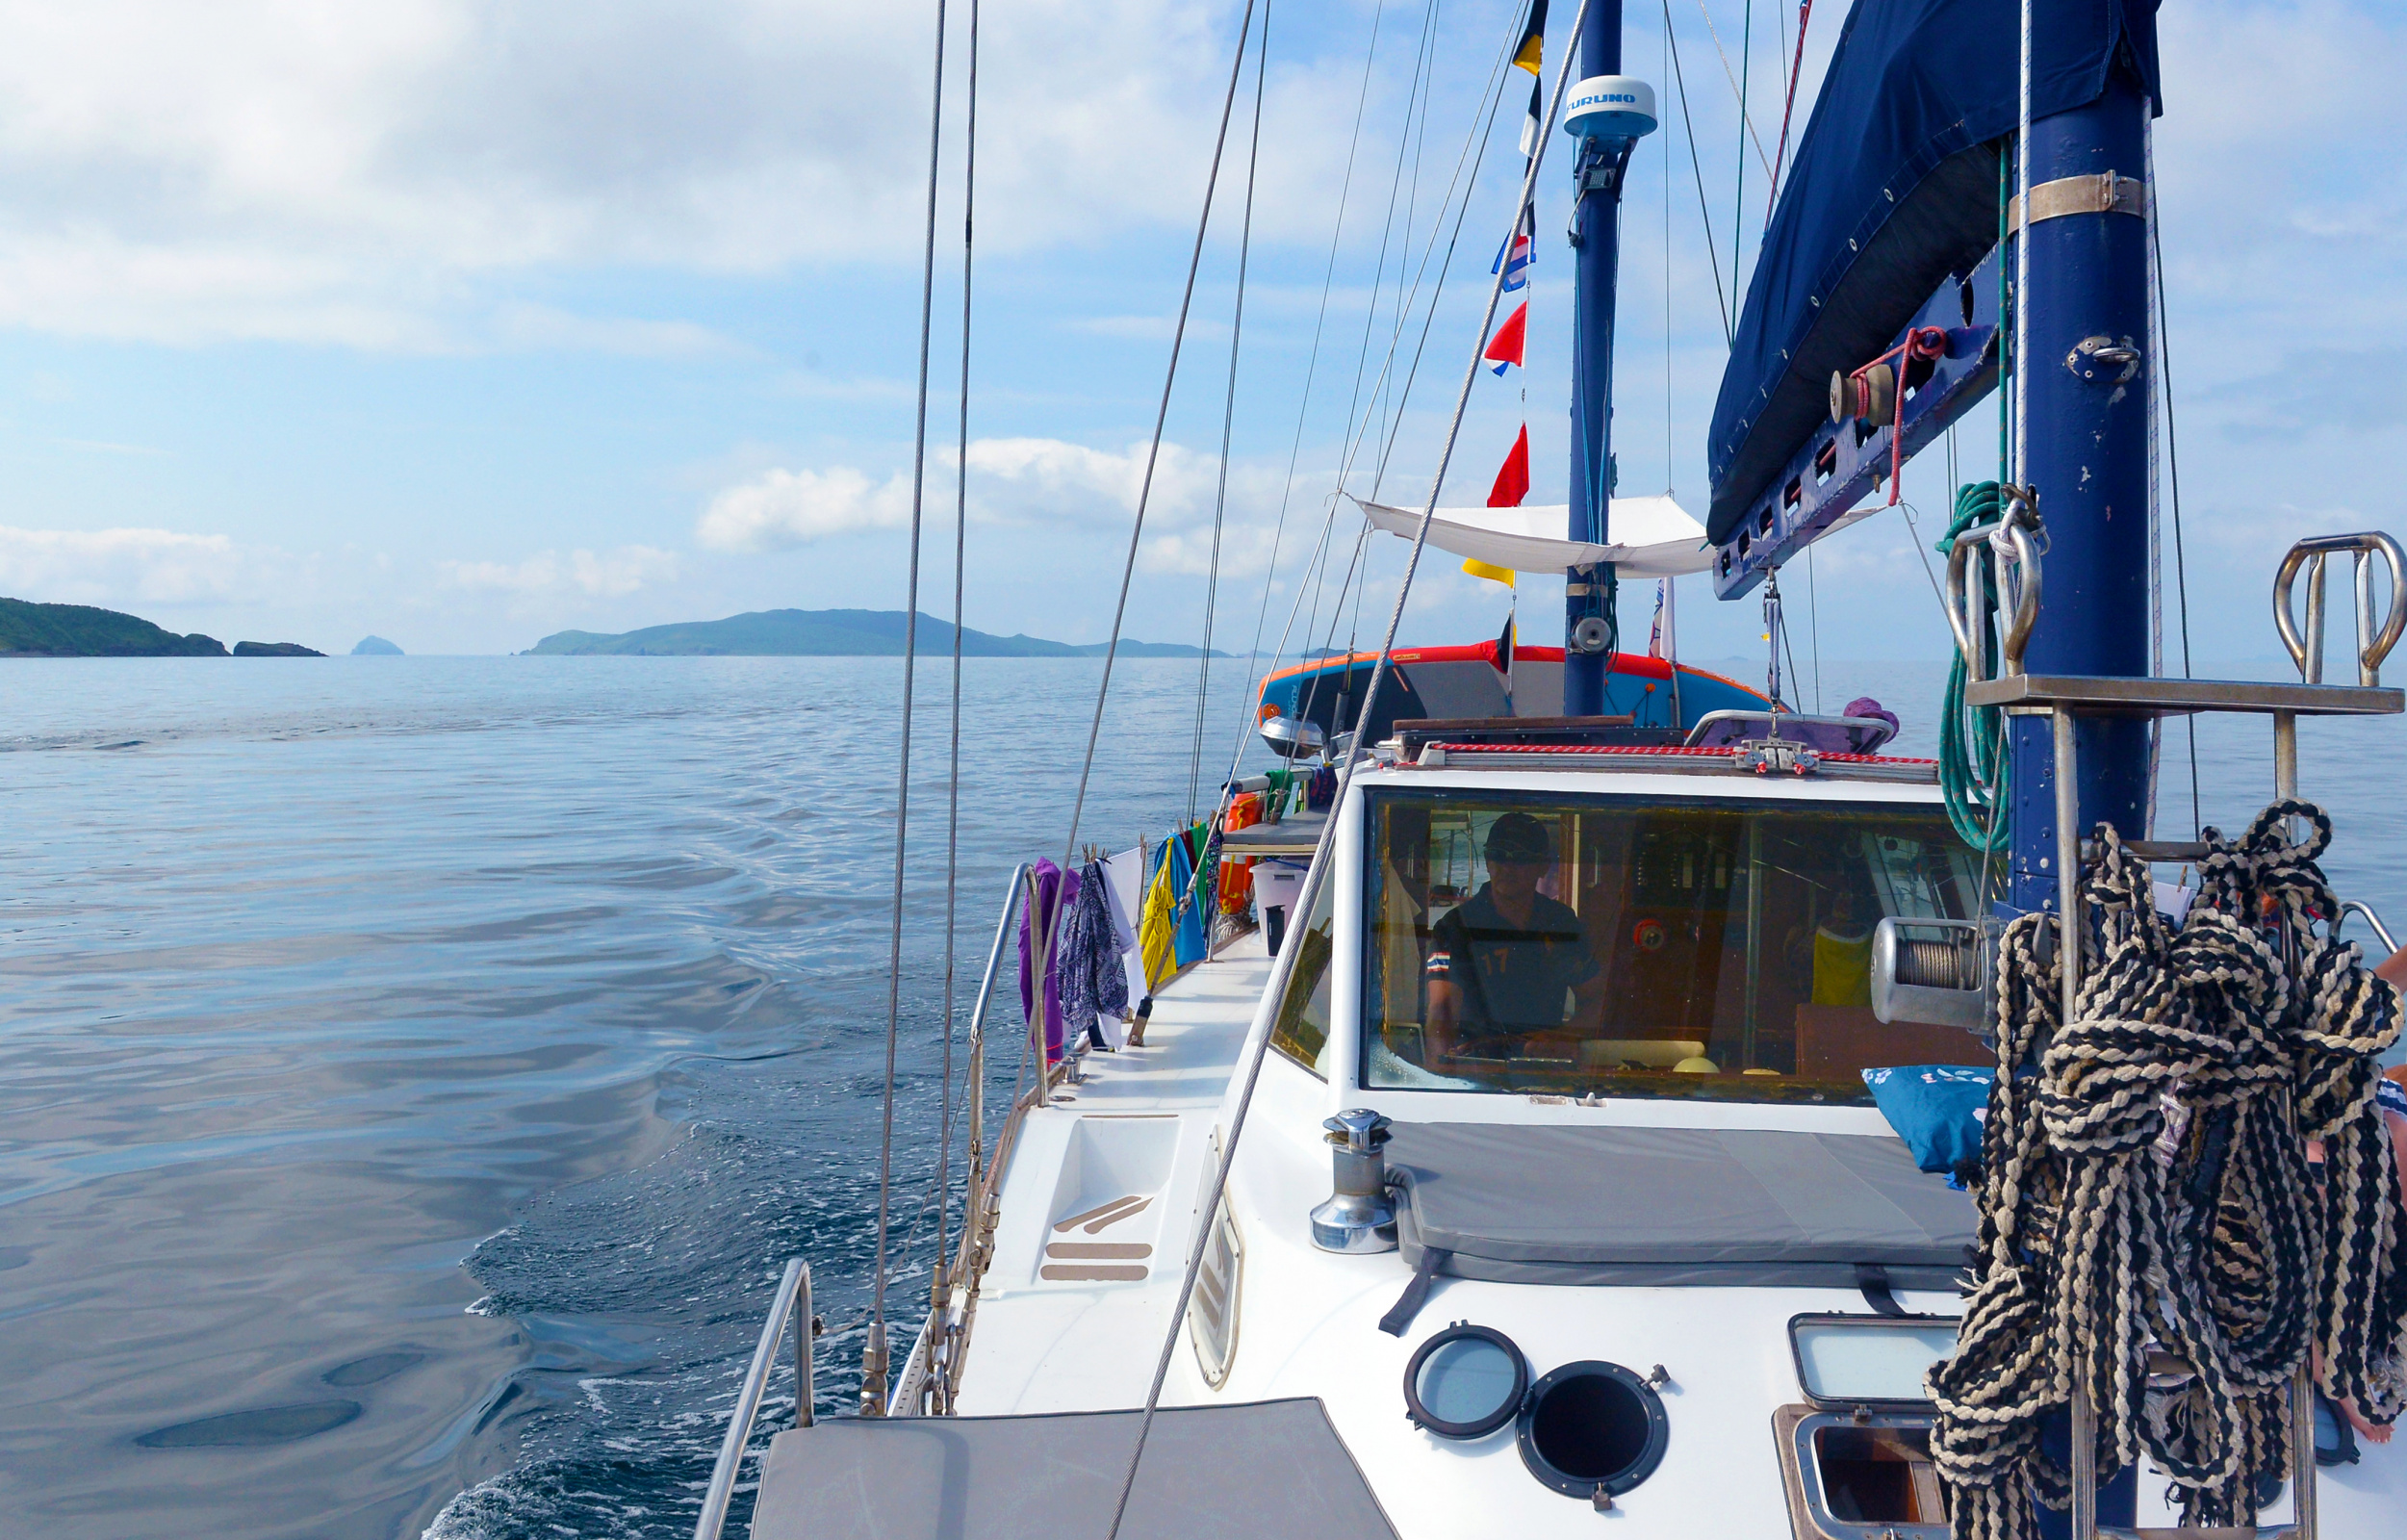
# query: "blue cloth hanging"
{"points": [[1188, 939]]}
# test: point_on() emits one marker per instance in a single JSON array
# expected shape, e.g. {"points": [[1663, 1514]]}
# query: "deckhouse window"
{"points": [[1302, 1029], [1645, 948]]}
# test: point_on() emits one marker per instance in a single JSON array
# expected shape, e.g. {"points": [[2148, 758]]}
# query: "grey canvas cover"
{"points": [[1252, 1471], [1522, 1203], [1298, 830]]}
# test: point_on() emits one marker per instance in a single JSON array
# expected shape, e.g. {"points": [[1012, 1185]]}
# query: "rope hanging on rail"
{"points": [[1972, 744], [2148, 1188]]}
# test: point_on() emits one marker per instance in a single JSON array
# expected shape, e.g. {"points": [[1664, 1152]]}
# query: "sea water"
{"points": [[415, 1072]]}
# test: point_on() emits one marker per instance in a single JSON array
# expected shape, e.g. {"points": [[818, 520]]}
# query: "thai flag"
{"points": [[1519, 251]]}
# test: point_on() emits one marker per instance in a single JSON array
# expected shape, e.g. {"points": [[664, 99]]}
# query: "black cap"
{"points": [[1518, 838]]}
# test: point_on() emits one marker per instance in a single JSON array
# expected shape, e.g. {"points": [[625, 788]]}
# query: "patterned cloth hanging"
{"points": [[1091, 982]]}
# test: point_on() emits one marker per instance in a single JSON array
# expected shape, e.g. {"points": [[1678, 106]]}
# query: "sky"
{"points": [[464, 322]]}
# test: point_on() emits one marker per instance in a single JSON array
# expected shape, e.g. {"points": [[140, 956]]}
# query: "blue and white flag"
{"points": [[1519, 251]]}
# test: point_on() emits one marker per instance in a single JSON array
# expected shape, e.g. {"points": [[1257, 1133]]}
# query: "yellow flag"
{"points": [[1493, 575], [1533, 40]]}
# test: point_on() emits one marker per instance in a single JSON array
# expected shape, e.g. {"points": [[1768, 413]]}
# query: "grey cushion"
{"points": [[1250, 1471], [1517, 1203]]}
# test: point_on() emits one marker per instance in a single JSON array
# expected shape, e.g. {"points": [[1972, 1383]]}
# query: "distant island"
{"points": [[826, 633], [275, 650], [375, 647], [28, 629]]}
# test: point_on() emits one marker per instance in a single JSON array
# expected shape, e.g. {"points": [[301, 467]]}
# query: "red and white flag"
{"points": [[1511, 339]]}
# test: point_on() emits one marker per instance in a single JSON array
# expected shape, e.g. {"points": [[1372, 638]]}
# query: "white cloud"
{"points": [[1072, 480], [611, 576], [782, 510], [1038, 484], [2327, 200], [117, 566], [1150, 328], [1245, 552], [300, 170], [540, 327]]}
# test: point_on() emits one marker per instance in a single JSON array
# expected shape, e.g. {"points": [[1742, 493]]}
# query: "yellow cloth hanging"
{"points": [[1154, 928], [1842, 968], [1494, 574]]}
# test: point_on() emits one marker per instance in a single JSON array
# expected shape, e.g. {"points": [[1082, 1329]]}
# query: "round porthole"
{"points": [[1465, 1382], [1593, 1424]]}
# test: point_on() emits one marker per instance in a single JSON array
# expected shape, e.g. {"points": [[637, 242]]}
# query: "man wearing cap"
{"points": [[1502, 963]]}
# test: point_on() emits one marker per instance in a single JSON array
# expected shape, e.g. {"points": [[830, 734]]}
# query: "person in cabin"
{"points": [[1509, 961]]}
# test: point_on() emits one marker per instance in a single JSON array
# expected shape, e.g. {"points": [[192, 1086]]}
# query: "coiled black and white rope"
{"points": [[2148, 1203]]}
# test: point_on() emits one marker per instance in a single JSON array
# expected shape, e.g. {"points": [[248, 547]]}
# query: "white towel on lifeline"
{"points": [[1123, 880]]}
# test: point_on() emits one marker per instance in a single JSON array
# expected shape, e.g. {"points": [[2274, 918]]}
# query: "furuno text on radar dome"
{"points": [[1610, 107]]}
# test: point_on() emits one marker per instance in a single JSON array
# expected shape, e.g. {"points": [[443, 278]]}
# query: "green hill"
{"points": [[827, 633], [29, 629]]}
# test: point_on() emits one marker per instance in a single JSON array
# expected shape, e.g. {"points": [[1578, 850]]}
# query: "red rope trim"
{"points": [[1671, 748]]}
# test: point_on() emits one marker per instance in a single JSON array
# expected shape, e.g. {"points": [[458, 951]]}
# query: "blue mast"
{"points": [[1595, 236], [2087, 396]]}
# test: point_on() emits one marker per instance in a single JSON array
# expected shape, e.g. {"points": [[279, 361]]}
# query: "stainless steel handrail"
{"points": [[1012, 895], [932, 1356], [793, 1288], [2372, 646], [2360, 907]]}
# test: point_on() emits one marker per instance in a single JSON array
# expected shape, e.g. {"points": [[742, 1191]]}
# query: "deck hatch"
{"points": [[1868, 1360]]}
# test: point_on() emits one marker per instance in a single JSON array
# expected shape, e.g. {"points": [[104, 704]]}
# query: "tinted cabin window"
{"points": [[1650, 949], [1302, 1030]]}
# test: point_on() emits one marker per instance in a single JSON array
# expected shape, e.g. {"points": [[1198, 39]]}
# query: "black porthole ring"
{"points": [[1422, 1418], [1643, 1441]]}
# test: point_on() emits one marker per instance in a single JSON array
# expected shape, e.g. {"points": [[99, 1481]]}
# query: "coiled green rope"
{"points": [[1969, 741]]}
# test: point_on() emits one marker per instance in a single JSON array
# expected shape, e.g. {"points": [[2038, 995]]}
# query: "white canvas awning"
{"points": [[1658, 538]]}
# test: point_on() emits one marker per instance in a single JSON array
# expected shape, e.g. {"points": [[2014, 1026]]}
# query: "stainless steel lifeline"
{"points": [[792, 1289], [2364, 912]]}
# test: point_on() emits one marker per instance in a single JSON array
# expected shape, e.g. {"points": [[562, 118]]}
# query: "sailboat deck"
{"points": [[1098, 1201]]}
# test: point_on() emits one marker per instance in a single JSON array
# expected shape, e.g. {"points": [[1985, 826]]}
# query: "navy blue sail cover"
{"points": [[1895, 188]]}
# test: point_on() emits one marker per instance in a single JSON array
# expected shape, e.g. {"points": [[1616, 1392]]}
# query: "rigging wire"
{"points": [[1378, 272], [1746, 131], [2022, 255], [1317, 875], [1788, 110], [1153, 455], [1477, 133], [1357, 427], [1420, 136], [1670, 40], [1228, 417], [1303, 407], [2172, 453], [1738, 94], [953, 761], [1670, 457], [874, 1355]]}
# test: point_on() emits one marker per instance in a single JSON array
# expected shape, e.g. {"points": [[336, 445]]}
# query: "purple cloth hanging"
{"points": [[1054, 890]]}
